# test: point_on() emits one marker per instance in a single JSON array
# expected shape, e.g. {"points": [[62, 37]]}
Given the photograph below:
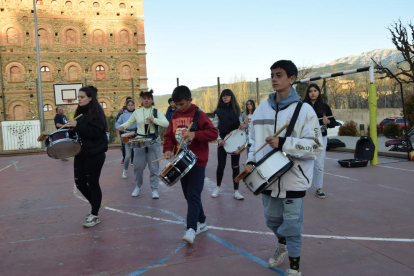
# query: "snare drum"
{"points": [[127, 136], [141, 142], [235, 144], [63, 144], [178, 167], [269, 169]]}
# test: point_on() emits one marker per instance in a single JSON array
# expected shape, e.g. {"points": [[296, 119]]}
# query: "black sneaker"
{"points": [[319, 193]]}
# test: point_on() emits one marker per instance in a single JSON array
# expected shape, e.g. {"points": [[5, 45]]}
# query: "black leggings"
{"points": [[87, 172], [222, 157]]}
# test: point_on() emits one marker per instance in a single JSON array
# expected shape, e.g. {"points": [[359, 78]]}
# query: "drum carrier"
{"points": [[271, 167], [182, 163]]}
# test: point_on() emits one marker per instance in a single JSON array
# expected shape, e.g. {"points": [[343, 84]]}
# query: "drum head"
{"points": [[235, 141], [63, 149]]}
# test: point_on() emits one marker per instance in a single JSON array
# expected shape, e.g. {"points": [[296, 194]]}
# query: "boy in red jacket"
{"points": [[193, 182]]}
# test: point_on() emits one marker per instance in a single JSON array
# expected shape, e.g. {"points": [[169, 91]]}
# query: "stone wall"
{"points": [[90, 42], [361, 116]]}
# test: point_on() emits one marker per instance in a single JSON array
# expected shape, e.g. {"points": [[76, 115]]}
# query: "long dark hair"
{"points": [[254, 107], [233, 102], [319, 105], [95, 110]]}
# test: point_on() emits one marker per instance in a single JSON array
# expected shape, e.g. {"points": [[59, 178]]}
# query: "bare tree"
{"points": [[240, 89], [403, 40], [335, 93]]}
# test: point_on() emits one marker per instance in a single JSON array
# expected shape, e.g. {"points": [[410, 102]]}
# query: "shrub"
{"points": [[409, 109], [111, 125], [348, 129], [378, 130], [392, 130]]}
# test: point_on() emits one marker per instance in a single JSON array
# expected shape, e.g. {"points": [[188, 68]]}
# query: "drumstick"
{"points": [[182, 141], [159, 159], [150, 122], [77, 117], [326, 117], [274, 135], [239, 127]]}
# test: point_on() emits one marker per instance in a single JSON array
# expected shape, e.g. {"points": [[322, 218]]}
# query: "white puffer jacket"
{"points": [[303, 146]]}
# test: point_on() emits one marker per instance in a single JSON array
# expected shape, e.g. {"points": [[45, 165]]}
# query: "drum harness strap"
{"points": [[290, 129], [195, 121], [155, 135]]}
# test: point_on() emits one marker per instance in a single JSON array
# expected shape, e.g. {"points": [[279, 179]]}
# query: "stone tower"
{"points": [[94, 42]]}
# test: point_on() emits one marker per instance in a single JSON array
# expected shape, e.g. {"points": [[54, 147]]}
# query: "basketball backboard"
{"points": [[66, 93]]}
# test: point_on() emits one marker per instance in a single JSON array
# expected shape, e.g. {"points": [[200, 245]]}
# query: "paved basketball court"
{"points": [[365, 226]]}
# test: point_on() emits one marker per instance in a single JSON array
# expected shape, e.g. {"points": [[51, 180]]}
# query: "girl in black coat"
{"points": [[91, 128], [314, 98], [227, 117]]}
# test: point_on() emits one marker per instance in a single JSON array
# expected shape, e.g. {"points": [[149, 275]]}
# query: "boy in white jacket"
{"points": [[283, 200]]}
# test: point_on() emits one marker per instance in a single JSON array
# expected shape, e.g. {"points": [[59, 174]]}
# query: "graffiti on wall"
{"points": [[19, 130]]}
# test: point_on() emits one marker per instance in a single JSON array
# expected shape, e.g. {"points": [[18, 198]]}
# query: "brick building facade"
{"points": [[94, 42]]}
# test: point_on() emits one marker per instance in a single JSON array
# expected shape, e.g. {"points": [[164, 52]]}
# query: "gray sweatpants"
{"points": [[284, 216], [141, 159]]}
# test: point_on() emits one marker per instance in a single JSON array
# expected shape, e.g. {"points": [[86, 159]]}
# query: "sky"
{"points": [[198, 41]]}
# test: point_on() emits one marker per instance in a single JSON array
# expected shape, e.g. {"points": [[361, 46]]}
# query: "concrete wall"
{"points": [[361, 116]]}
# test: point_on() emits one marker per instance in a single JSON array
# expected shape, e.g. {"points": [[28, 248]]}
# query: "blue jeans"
{"points": [[284, 216], [192, 184], [128, 154]]}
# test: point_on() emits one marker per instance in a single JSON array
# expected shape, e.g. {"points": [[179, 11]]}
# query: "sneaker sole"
{"points": [[88, 226], [187, 240], [278, 263], [239, 198], [124, 177]]}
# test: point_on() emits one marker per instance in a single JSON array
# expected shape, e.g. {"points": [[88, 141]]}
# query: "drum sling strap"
{"points": [[195, 120], [155, 135], [290, 129], [294, 118]]}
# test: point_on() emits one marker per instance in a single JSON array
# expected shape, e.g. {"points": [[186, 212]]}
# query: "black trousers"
{"points": [[192, 184], [221, 165], [87, 172]]}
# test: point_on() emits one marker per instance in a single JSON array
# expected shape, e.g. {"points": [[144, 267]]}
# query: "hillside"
{"points": [[387, 57]]}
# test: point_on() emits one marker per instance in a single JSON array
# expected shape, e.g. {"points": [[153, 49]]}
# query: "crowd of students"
{"points": [[282, 201]]}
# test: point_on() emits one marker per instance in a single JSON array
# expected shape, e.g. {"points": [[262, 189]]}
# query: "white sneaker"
{"points": [[293, 272], [216, 192], [189, 236], [237, 195], [279, 256], [201, 227], [136, 191], [124, 174], [91, 221], [155, 194]]}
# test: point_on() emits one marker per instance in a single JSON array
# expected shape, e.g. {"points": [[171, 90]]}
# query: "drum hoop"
{"points": [[62, 140], [164, 179]]}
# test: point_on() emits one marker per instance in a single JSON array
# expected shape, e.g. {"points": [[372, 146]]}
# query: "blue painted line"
{"points": [[47, 208], [146, 268], [244, 253], [142, 270]]}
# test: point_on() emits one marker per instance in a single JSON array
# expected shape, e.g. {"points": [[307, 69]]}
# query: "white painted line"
{"points": [[341, 176], [250, 231], [14, 163], [396, 189], [401, 169], [5, 167]]}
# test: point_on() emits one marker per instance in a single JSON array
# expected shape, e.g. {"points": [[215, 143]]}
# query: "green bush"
{"points": [[111, 128], [392, 130], [348, 129], [409, 109], [378, 130]]}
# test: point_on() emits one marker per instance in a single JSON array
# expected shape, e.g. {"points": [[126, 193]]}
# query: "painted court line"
{"points": [[401, 169], [14, 163], [404, 191], [248, 231], [341, 176], [244, 253], [142, 270]]}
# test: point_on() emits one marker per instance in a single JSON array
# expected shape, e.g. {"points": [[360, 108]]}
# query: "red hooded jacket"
{"points": [[205, 132]]}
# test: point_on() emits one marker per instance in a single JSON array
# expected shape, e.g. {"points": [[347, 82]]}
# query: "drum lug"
{"points": [[259, 172]]}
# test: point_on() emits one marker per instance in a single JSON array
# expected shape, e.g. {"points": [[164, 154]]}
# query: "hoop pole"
{"points": [[372, 99], [353, 71], [39, 76]]}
